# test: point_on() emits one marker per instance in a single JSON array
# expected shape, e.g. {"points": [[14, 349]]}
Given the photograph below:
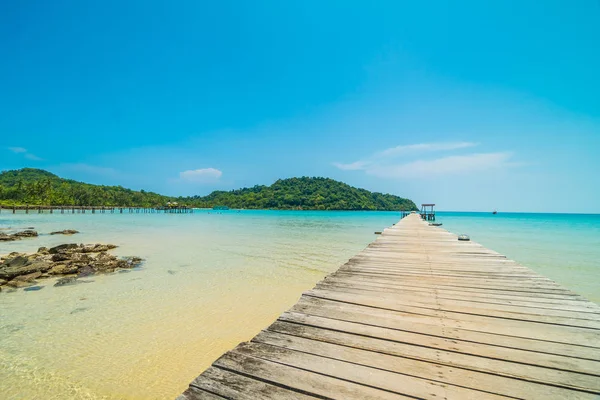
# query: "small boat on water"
{"points": [[464, 238], [494, 212]]}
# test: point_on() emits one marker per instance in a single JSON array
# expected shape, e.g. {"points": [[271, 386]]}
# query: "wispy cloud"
{"points": [[399, 162], [425, 147], [23, 151], [203, 175], [404, 150], [443, 166]]}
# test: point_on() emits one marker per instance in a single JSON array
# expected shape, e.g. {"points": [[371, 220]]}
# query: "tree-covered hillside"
{"points": [[304, 193], [39, 187]]}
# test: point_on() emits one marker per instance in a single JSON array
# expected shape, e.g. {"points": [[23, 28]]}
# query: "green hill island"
{"points": [[38, 187]]}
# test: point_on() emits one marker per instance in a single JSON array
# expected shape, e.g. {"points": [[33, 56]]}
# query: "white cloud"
{"points": [[423, 147], [443, 166], [387, 155], [202, 175], [25, 153], [399, 162]]}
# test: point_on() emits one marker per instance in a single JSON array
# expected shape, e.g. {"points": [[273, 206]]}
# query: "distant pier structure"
{"points": [[427, 212], [173, 208], [170, 208]]}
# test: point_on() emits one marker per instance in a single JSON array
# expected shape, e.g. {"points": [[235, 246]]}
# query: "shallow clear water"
{"points": [[563, 247], [211, 281]]}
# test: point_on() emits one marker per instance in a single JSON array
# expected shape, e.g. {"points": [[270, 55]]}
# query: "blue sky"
{"points": [[472, 105]]}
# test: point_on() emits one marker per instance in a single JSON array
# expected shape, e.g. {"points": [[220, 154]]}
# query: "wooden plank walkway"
{"points": [[419, 314]]}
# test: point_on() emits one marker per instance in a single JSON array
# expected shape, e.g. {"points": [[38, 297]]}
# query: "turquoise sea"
{"points": [[213, 279]]}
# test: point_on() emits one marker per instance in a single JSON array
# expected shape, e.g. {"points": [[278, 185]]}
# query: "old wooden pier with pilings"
{"points": [[98, 209], [420, 315]]}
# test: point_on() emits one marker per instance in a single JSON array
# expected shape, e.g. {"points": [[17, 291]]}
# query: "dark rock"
{"points": [[97, 248], [65, 232], [19, 284], [43, 250], [41, 265], [33, 288], [3, 282], [68, 281], [86, 271], [63, 248], [63, 269], [171, 272], [18, 261], [25, 233], [29, 277], [81, 258], [60, 257], [22, 266], [6, 237]]}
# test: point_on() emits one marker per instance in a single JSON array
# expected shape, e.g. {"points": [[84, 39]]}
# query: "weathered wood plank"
{"points": [[589, 330], [427, 369], [468, 305], [193, 393], [322, 385], [458, 285], [400, 384], [231, 385], [485, 297], [451, 343], [497, 334]]}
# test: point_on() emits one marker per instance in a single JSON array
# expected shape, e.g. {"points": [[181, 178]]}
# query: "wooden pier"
{"points": [[419, 314], [98, 209]]}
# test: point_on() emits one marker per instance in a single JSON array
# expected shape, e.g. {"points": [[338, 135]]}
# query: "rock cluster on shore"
{"points": [[68, 260], [29, 233], [9, 237]]}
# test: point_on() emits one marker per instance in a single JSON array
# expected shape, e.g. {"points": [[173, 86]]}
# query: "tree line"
{"points": [[39, 187]]}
